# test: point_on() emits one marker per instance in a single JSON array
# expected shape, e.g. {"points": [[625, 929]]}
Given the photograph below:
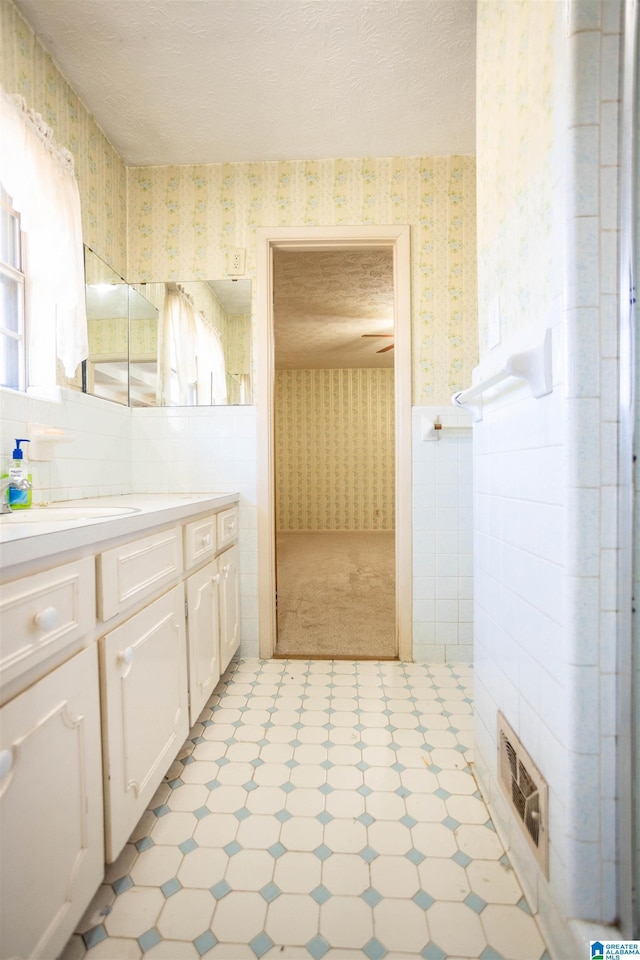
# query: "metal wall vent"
{"points": [[526, 790]]}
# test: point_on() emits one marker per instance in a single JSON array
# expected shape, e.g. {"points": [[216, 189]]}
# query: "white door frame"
{"points": [[331, 238]]}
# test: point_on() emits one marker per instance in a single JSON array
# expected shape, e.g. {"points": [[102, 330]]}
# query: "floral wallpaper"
{"points": [[27, 69], [515, 179], [184, 219], [334, 433]]}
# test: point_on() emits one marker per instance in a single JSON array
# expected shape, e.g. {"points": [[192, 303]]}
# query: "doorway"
{"points": [[272, 242], [334, 453]]}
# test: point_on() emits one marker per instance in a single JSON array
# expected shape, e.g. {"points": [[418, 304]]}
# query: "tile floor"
{"points": [[319, 809]]}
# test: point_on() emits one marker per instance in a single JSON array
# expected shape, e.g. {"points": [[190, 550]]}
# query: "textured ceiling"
{"points": [[323, 304], [207, 81]]}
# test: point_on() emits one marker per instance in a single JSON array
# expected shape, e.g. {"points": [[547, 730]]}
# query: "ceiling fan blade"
{"points": [[384, 349], [377, 334]]}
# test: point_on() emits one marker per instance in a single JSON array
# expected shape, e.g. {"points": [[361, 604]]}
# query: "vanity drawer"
{"points": [[199, 540], [42, 615], [227, 527], [133, 571]]}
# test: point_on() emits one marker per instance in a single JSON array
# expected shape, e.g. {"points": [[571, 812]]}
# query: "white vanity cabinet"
{"points": [[51, 813], [106, 632]]}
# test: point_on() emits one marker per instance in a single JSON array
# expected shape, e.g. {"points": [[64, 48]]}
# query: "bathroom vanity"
{"points": [[117, 617]]}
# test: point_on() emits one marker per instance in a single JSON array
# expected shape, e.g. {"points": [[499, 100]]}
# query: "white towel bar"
{"points": [[532, 365], [432, 430]]}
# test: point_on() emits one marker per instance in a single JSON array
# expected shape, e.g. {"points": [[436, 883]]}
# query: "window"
{"points": [[12, 334], [43, 218]]}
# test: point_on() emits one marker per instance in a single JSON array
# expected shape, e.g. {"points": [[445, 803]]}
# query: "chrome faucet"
{"points": [[5, 483]]}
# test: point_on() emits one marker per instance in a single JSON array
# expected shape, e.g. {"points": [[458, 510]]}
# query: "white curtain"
{"points": [[191, 358], [179, 372], [212, 377], [39, 177]]}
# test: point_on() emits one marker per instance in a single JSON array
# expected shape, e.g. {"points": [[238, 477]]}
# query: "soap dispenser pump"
{"points": [[19, 493]]}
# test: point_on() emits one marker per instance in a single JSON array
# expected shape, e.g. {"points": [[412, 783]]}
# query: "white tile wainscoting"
{"points": [[442, 537]]}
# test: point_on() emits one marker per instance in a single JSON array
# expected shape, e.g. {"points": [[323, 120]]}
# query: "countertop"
{"points": [[28, 541]]}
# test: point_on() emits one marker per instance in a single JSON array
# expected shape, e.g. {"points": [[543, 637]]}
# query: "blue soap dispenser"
{"points": [[19, 499]]}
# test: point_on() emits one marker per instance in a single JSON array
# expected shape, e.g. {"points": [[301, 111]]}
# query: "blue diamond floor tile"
{"points": [[371, 896], [276, 849], [93, 936], [270, 891], [490, 954], [261, 944], [320, 894], [121, 884], [415, 856], [317, 947], [475, 903], [423, 900], [170, 887], [461, 858], [368, 854], [322, 852], [220, 889], [205, 942], [433, 952], [374, 949], [149, 939]]}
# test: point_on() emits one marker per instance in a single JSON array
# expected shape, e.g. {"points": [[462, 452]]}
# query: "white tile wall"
{"points": [[206, 450], [442, 537], [97, 461], [545, 525]]}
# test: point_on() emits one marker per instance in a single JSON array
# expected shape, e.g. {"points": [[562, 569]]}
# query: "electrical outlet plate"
{"points": [[235, 262]]}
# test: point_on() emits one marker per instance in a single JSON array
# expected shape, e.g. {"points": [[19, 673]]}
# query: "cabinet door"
{"points": [[145, 711], [229, 606], [203, 637], [50, 808]]}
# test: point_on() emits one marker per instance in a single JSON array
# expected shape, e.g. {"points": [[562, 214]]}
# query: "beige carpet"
{"points": [[336, 595]]}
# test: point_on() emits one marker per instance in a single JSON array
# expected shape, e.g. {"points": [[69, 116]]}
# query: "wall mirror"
{"points": [[165, 343], [197, 352], [105, 371]]}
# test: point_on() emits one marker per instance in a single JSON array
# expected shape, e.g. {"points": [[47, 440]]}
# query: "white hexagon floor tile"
{"points": [[319, 810]]}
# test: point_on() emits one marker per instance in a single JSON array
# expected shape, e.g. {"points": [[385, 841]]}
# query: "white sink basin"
{"points": [[64, 514]]}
